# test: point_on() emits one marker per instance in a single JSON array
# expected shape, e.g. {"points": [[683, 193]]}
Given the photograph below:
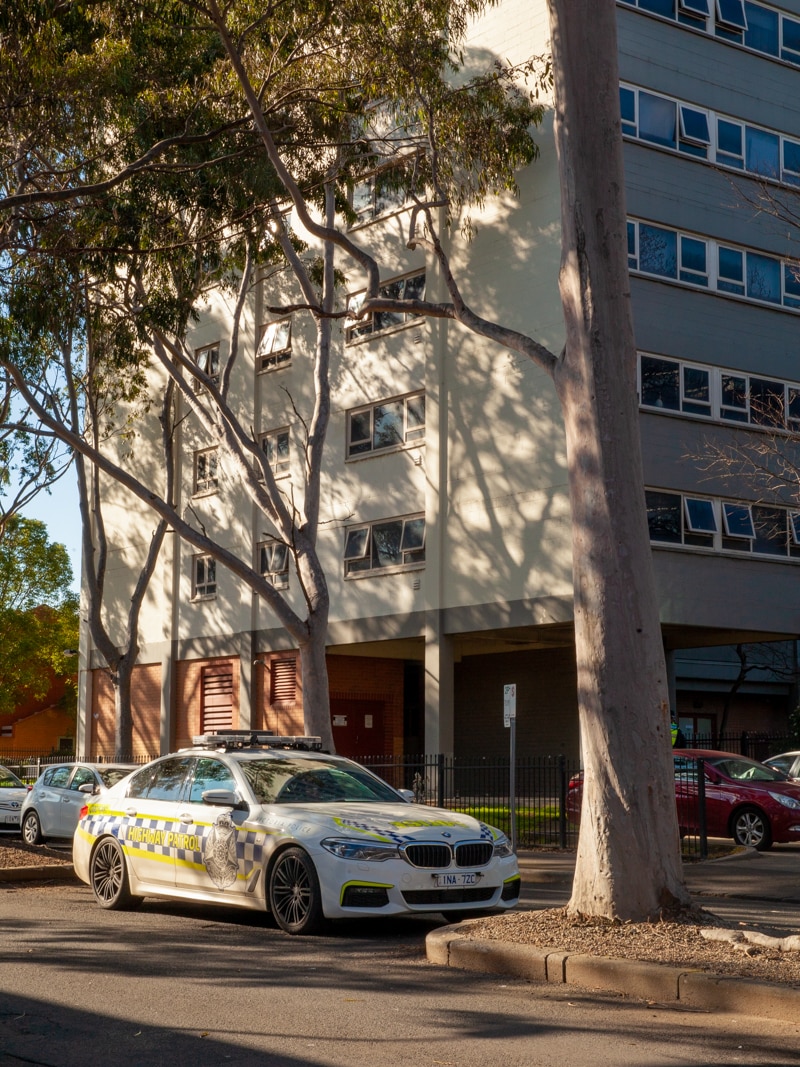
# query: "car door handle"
{"points": [[132, 812], [186, 817]]}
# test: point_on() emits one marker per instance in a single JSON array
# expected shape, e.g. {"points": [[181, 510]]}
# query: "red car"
{"points": [[754, 804]]}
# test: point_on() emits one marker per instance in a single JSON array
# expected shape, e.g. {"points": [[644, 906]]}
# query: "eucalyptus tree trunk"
{"points": [[628, 864]]}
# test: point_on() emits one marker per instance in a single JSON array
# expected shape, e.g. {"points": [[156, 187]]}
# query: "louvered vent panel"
{"points": [[283, 681]]}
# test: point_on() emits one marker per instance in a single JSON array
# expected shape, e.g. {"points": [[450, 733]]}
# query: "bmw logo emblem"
{"points": [[446, 834]]}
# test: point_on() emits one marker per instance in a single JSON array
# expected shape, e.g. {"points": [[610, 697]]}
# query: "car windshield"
{"points": [[746, 770], [112, 775], [9, 780], [314, 781]]}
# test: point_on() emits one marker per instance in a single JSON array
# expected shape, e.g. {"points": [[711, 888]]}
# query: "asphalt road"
{"points": [[172, 985]]}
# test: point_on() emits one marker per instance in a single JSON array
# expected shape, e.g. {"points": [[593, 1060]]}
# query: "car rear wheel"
{"points": [[295, 899], [108, 877], [750, 827], [31, 829]]}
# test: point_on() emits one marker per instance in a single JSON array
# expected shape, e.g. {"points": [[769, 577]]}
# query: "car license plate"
{"points": [[455, 881], [12, 819]]}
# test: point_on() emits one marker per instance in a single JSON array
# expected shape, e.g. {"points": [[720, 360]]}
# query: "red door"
{"points": [[358, 727]]}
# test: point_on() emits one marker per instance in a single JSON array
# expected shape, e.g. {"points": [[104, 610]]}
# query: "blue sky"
{"points": [[59, 510]]}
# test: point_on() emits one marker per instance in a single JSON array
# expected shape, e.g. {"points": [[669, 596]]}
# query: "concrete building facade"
{"points": [[449, 449]]}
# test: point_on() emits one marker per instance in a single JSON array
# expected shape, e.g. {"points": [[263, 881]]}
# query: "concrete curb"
{"points": [[54, 872], [700, 990]]}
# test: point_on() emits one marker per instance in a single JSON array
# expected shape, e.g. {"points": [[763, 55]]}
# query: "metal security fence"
{"points": [[755, 744], [480, 787], [28, 765]]}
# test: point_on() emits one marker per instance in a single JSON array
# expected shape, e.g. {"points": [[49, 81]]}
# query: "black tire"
{"points": [[750, 827], [295, 900], [108, 876], [31, 829]]}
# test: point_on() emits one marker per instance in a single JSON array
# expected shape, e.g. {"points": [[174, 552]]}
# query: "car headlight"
{"points": [[788, 802], [348, 849], [502, 847]]}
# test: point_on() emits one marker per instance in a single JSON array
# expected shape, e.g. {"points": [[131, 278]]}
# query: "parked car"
{"points": [[788, 762], [284, 828], [754, 804], [52, 806], [12, 795]]}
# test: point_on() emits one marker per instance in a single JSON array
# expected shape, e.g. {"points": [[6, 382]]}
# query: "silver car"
{"points": [[788, 762], [12, 795], [52, 807]]}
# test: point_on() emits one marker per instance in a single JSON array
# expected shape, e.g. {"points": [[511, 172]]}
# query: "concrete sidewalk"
{"points": [[758, 889]]}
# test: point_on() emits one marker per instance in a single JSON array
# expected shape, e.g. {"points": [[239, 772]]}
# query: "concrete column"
{"points": [[246, 679], [83, 726], [167, 732], [671, 683], [439, 687]]}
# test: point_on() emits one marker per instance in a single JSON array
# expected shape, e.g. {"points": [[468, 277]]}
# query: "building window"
{"points": [[204, 576], [380, 193], [205, 471], [273, 563], [701, 261], [756, 27], [684, 127], [672, 385], [389, 424], [411, 287], [727, 525], [207, 360], [275, 347], [275, 446], [392, 543]]}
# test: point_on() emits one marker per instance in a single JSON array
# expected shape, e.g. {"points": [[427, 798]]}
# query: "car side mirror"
{"points": [[407, 794], [88, 788], [224, 798], [712, 776]]}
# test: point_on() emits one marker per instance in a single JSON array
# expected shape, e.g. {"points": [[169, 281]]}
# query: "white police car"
{"points": [[270, 823]]}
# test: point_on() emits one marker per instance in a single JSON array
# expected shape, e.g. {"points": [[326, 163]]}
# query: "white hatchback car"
{"points": [[12, 797], [263, 822], [52, 807]]}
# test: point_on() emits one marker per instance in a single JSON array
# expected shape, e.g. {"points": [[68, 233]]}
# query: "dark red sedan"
{"points": [[754, 804]]}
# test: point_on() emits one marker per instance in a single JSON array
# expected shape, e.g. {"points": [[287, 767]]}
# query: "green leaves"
{"points": [[38, 611]]}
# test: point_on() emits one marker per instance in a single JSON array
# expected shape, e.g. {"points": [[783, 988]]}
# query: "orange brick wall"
{"points": [[365, 678], [146, 705], [188, 697], [281, 718], [41, 730], [350, 677]]}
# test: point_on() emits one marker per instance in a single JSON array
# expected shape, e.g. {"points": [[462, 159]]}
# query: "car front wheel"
{"points": [[108, 877], [751, 828], [295, 899], [31, 829]]}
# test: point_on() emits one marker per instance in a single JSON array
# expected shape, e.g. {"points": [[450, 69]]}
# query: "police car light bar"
{"points": [[255, 739]]}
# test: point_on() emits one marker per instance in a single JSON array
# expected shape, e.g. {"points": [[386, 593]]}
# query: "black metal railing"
{"points": [[480, 787], [757, 744]]}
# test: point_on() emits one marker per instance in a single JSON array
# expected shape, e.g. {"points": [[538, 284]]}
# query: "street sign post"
{"points": [[510, 721]]}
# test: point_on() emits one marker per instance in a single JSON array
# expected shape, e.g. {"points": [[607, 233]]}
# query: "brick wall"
{"points": [[188, 697], [547, 716], [365, 678], [146, 705]]}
